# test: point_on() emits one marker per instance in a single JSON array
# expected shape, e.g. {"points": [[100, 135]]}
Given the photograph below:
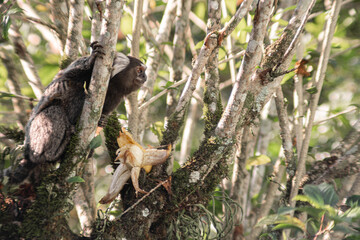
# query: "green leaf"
{"points": [[95, 142], [167, 43], [289, 8], [282, 22], [257, 160], [268, 235], [123, 117], [302, 198], [290, 222], [157, 128], [14, 10], [282, 221], [314, 212], [168, 84], [343, 228], [4, 94], [353, 200], [285, 210], [345, 121], [312, 90], [353, 213], [329, 194], [285, 226], [199, 45], [176, 166], [353, 237], [5, 27], [75, 179], [323, 194]]}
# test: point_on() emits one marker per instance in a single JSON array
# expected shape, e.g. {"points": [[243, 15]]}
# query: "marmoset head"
{"points": [[129, 71]]}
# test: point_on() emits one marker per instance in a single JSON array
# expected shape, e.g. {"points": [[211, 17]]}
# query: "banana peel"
{"points": [[132, 157]]}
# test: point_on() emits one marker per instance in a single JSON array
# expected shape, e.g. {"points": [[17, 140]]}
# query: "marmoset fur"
{"points": [[53, 120]]}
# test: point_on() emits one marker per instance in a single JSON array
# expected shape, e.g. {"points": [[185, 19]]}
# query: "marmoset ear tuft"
{"points": [[121, 61]]}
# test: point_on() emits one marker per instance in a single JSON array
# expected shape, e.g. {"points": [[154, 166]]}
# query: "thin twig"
{"points": [[49, 35], [179, 46], [285, 130], [345, 50], [321, 224], [26, 61], [231, 57], [336, 115], [19, 96], [230, 45], [39, 21], [143, 198], [157, 96]]}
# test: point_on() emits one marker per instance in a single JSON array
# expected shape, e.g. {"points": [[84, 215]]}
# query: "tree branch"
{"points": [[74, 35], [13, 79], [98, 86], [285, 134], [131, 100], [319, 79], [179, 46], [230, 118], [26, 61], [153, 61]]}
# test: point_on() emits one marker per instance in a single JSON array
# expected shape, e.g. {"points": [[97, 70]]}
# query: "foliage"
{"points": [[324, 213], [199, 222]]}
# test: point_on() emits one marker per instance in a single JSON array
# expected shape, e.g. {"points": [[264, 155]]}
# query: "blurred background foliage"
{"points": [[341, 90]]}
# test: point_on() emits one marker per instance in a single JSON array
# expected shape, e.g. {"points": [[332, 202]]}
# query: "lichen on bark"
{"points": [[111, 132], [42, 219]]}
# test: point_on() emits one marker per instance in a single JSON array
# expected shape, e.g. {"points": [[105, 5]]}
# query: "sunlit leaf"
{"points": [[41, 8], [257, 160], [157, 128], [282, 221], [314, 193], [168, 84], [322, 197], [353, 213], [123, 117], [285, 226], [282, 22], [176, 166], [199, 45]]}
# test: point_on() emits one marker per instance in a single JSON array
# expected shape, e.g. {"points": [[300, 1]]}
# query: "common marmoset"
{"points": [[53, 120]]}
